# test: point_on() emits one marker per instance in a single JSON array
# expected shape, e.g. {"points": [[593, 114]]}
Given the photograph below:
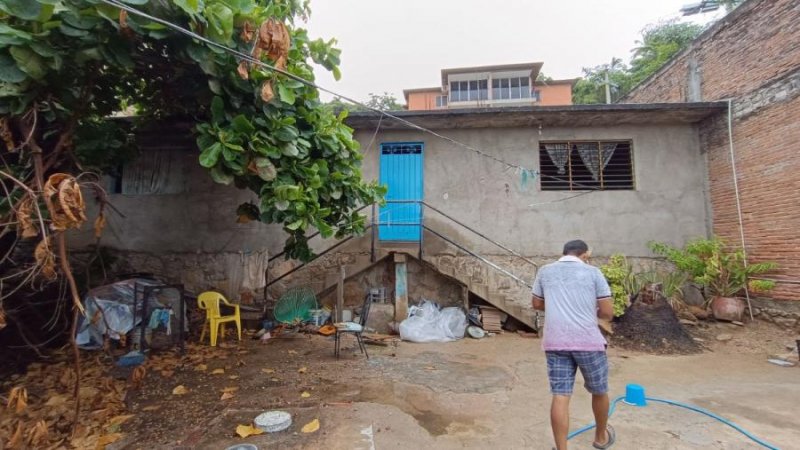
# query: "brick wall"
{"points": [[752, 57], [757, 42]]}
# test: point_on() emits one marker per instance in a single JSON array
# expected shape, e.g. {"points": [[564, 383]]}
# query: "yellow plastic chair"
{"points": [[209, 301]]}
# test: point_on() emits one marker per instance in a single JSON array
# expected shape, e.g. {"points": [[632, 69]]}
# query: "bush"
{"points": [[620, 278]]}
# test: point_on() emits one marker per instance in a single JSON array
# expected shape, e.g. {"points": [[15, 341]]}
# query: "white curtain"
{"points": [[559, 154], [591, 156]]}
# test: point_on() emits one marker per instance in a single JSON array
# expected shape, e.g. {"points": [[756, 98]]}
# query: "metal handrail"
{"points": [[475, 255], [423, 226]]}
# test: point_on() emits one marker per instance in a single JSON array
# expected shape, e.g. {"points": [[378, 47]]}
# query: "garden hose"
{"points": [[682, 405]]}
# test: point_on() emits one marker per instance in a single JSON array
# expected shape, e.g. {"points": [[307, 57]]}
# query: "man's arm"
{"points": [[537, 298], [537, 302], [605, 308]]}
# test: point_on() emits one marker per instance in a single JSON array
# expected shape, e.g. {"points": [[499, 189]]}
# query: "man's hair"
{"points": [[575, 248]]}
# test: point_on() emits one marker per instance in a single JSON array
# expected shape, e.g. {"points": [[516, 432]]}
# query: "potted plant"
{"points": [[721, 272]]}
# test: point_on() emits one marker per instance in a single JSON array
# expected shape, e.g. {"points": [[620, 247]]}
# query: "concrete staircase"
{"points": [[503, 292]]}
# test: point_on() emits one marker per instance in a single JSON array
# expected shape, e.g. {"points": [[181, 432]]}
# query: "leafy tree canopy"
{"points": [[66, 66], [384, 102], [658, 44]]}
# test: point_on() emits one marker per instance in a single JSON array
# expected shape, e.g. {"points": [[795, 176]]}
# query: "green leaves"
{"points": [[29, 62], [191, 7], [9, 72], [220, 22], [286, 94], [24, 9], [210, 155]]}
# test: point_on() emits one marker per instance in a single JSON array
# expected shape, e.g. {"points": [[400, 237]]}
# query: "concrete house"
{"points": [[470, 213], [752, 59], [491, 87]]}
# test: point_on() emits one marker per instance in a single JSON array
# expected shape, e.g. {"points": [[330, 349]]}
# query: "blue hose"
{"points": [[686, 406]]}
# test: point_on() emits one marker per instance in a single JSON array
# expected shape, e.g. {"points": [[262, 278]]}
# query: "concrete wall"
{"points": [[753, 58], [423, 100], [554, 94], [669, 203]]}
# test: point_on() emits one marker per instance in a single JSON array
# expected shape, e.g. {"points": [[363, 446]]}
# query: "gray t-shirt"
{"points": [[570, 289]]}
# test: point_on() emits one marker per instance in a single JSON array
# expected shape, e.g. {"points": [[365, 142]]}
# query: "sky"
{"points": [[391, 45]]}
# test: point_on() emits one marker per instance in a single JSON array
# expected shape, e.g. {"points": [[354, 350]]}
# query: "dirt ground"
{"points": [[489, 393]]}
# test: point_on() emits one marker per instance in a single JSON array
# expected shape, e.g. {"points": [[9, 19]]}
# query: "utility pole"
{"points": [[608, 87]]}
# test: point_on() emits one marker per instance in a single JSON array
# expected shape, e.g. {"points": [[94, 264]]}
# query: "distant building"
{"points": [[491, 86]]}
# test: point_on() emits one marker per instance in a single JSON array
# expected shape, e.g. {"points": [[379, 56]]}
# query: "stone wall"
{"points": [[752, 58], [784, 314]]}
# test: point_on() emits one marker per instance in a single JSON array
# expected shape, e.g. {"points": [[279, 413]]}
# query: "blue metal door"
{"points": [[401, 172]]}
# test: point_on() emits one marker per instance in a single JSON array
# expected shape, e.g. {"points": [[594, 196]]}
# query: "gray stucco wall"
{"points": [[669, 203]]}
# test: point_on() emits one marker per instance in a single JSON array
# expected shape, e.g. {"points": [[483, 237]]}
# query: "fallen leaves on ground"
{"points": [[248, 430], [311, 427], [39, 406], [180, 390], [217, 371], [305, 394], [302, 370], [201, 367], [233, 377], [226, 396], [268, 370]]}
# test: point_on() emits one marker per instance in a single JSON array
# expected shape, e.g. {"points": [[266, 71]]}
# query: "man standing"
{"points": [[573, 296]]}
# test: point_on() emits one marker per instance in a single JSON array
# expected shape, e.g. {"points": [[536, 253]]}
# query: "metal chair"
{"points": [[356, 328]]}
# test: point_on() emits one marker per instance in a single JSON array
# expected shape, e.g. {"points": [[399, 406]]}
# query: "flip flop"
{"points": [[612, 437]]}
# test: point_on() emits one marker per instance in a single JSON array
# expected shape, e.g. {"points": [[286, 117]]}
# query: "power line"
{"points": [[383, 113]]}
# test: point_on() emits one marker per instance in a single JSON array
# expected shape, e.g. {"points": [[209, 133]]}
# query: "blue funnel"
{"points": [[634, 395]]}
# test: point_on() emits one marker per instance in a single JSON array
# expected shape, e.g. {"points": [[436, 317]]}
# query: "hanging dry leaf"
{"points": [[2, 318], [45, 259], [123, 18], [99, 225], [217, 371], [243, 70], [305, 394], [248, 430], [302, 370], [180, 390], [247, 32], [38, 434], [266, 91], [26, 228], [226, 396], [311, 427], [71, 201]]}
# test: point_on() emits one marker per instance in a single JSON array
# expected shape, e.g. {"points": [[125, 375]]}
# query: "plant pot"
{"points": [[728, 308]]}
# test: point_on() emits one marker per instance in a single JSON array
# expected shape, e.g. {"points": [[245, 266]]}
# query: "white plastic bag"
{"points": [[425, 323]]}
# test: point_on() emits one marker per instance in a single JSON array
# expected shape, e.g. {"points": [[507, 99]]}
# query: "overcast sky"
{"points": [[391, 45]]}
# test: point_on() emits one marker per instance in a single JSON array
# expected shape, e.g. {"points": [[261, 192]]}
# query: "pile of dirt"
{"points": [[653, 328]]}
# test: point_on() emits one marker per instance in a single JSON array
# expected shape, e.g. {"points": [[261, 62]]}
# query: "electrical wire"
{"points": [[696, 409], [383, 113]]}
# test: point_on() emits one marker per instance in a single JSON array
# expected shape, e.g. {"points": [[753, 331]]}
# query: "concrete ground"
{"points": [[490, 393]]}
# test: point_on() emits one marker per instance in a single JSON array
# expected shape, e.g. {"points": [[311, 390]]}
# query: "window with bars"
{"points": [[586, 165]]}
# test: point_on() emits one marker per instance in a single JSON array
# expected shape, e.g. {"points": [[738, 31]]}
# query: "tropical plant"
{"points": [[719, 269], [619, 275], [67, 66], [671, 284]]}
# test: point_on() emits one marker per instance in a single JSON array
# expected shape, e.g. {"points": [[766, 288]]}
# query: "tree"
{"points": [[65, 67], [383, 102], [591, 88], [659, 43]]}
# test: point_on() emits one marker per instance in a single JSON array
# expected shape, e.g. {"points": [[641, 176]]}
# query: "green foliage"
{"points": [[719, 269], [659, 43], [620, 278], [384, 102], [74, 63]]}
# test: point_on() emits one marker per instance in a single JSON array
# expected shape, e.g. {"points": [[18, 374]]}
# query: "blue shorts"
{"points": [[562, 365]]}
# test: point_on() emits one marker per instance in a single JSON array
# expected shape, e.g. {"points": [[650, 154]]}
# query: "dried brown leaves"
{"points": [[45, 259], [39, 409], [273, 39], [63, 197], [25, 214]]}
